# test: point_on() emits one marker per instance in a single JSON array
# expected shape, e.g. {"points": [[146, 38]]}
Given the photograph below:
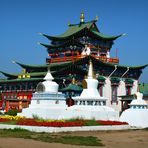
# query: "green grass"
{"points": [[51, 138]]}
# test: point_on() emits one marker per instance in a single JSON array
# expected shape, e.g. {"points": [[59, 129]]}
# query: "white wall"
{"points": [[107, 91], [121, 90], [135, 87]]}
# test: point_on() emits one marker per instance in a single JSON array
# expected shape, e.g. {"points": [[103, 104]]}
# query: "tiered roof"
{"points": [[74, 32], [88, 27], [77, 67]]}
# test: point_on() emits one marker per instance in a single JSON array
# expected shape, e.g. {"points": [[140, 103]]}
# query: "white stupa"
{"points": [[90, 105], [46, 102], [137, 114]]}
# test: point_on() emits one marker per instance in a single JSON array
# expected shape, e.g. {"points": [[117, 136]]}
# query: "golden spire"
{"points": [[82, 17], [91, 74], [73, 80]]}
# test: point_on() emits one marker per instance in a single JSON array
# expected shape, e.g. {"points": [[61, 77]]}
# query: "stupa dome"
{"points": [[136, 115], [139, 101], [48, 85]]}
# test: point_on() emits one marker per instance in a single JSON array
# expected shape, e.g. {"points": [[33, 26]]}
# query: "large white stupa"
{"points": [[46, 102], [137, 114], [90, 105]]}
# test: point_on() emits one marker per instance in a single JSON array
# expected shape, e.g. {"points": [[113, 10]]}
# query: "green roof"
{"points": [[127, 97], [115, 79], [71, 30], [31, 66], [21, 80], [74, 29], [9, 75], [38, 68], [65, 44], [72, 87], [107, 37], [72, 67], [128, 80], [143, 87], [101, 78]]}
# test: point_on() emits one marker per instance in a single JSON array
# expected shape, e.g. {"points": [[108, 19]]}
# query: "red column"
{"points": [[7, 106]]}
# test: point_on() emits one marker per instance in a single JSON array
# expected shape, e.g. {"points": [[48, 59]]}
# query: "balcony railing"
{"points": [[77, 57]]}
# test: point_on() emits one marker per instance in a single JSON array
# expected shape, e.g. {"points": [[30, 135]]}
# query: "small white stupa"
{"points": [[137, 114], [46, 102], [90, 105]]}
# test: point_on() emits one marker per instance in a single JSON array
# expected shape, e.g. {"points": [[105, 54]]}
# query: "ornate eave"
{"points": [[9, 75], [75, 29]]}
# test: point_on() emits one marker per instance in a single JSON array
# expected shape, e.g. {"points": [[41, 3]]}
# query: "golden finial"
{"points": [[73, 80], [23, 70], [96, 18], [91, 74], [82, 17]]}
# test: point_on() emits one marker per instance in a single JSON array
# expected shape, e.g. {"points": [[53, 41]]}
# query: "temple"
{"points": [[68, 57], [80, 40]]}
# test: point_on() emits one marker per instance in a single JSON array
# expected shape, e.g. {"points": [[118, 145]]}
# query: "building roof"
{"points": [[77, 28], [20, 80], [72, 87], [38, 71], [9, 75], [64, 44], [143, 87]]}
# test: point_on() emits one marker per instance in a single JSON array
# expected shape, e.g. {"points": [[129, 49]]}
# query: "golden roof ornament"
{"points": [[82, 17], [24, 74], [23, 70]]}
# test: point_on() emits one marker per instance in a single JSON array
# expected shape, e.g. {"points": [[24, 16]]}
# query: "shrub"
{"points": [[12, 112]]}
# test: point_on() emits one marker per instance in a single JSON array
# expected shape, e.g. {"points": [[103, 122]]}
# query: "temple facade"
{"points": [[68, 57]]}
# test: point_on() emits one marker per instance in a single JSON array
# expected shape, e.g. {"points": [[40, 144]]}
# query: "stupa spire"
{"points": [[48, 76], [90, 71], [73, 80]]}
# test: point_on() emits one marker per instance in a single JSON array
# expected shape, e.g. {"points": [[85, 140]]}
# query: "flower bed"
{"points": [[19, 120], [33, 122]]}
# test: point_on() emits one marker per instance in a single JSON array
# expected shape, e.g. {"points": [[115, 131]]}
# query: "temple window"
{"points": [[128, 90], [129, 85], [114, 89], [101, 90]]}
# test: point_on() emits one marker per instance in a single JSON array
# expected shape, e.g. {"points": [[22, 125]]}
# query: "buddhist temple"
{"points": [[68, 56]]}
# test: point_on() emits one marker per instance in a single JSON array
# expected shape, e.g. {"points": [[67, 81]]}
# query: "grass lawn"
{"points": [[51, 138]]}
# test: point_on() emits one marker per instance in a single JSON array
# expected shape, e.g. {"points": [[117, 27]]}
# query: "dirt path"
{"points": [[111, 139]]}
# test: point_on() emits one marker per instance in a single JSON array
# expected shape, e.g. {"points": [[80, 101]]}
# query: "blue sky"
{"points": [[22, 20]]}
